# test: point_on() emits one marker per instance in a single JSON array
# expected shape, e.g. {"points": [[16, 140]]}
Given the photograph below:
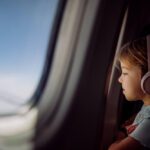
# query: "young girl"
{"points": [[133, 62]]}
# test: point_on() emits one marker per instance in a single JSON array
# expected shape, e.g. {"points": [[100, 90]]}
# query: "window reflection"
{"points": [[24, 34]]}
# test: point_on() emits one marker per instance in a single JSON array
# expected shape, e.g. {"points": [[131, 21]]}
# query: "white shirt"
{"points": [[142, 131]]}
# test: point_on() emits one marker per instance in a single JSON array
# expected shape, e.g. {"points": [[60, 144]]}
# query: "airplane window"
{"points": [[24, 35]]}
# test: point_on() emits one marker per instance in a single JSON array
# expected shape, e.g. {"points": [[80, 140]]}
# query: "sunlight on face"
{"points": [[130, 80]]}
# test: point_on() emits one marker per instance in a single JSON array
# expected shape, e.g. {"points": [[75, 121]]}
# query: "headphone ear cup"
{"points": [[145, 83]]}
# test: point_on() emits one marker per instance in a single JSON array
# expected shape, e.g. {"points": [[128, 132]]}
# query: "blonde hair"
{"points": [[135, 52]]}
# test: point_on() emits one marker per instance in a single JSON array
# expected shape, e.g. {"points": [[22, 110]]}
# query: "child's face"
{"points": [[130, 80]]}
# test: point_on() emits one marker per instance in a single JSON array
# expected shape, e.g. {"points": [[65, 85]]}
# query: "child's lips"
{"points": [[123, 90]]}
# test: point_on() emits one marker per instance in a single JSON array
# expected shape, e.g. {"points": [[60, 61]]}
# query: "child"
{"points": [[133, 62]]}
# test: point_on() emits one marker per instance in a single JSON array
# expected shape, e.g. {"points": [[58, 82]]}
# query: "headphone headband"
{"points": [[145, 82]]}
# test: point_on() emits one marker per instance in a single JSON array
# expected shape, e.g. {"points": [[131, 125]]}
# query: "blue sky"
{"points": [[25, 27]]}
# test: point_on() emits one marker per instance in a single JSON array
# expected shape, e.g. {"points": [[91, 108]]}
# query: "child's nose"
{"points": [[120, 79]]}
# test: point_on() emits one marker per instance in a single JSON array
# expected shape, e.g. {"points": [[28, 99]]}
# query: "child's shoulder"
{"points": [[144, 113]]}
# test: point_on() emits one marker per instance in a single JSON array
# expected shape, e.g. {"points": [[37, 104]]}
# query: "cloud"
{"points": [[15, 89]]}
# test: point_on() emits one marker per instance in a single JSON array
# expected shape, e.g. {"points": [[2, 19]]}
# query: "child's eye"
{"points": [[124, 73]]}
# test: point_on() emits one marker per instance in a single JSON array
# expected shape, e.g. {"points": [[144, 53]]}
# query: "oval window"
{"points": [[24, 35]]}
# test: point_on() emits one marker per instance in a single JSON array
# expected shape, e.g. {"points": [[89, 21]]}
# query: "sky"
{"points": [[25, 27]]}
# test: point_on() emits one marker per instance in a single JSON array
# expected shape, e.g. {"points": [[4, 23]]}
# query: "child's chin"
{"points": [[130, 99]]}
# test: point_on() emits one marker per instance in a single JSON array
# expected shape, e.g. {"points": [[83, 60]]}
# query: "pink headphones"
{"points": [[145, 82]]}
